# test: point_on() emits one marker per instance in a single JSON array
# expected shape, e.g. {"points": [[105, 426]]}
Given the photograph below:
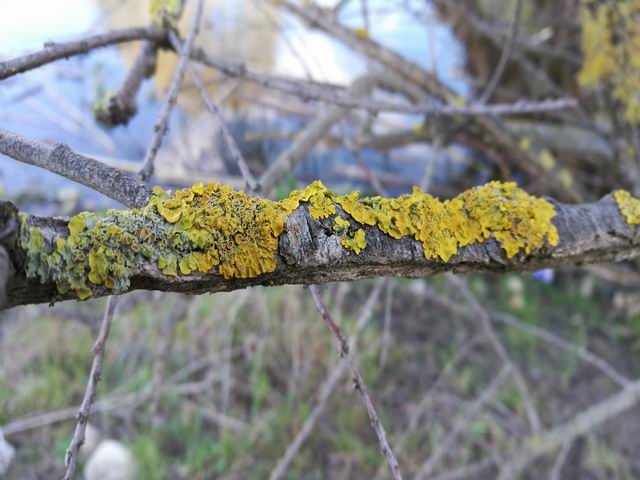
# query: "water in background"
{"points": [[54, 103]]}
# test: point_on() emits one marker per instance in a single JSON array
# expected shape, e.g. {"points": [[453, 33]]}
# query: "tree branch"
{"points": [[56, 51], [60, 159], [309, 252]]}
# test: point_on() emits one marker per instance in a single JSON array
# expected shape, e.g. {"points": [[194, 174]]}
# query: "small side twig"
{"points": [[160, 127], [326, 389], [55, 51], [561, 459], [161, 355], [446, 445], [250, 181], [360, 386], [71, 457], [504, 57], [501, 351], [121, 106], [546, 442]]}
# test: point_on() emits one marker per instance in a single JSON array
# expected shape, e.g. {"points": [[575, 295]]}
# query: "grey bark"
{"points": [[56, 51], [310, 253], [59, 158]]}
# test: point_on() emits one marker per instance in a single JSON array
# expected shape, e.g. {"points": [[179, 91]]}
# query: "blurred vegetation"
{"points": [[280, 353]]}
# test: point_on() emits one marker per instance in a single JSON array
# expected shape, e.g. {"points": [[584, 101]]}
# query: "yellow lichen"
{"points": [[197, 229], [353, 241], [629, 206], [356, 242], [502, 210]]}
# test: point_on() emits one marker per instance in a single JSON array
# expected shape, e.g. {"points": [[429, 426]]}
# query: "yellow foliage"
{"points": [[611, 47], [159, 10]]}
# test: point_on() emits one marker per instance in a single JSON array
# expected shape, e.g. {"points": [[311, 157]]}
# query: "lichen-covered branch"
{"points": [[210, 238]]}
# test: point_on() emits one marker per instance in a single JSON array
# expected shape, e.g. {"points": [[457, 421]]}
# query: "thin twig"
{"points": [[358, 383], [578, 350], [53, 51], [504, 58], [250, 181], [556, 470], [163, 349], [121, 106], [549, 441], [160, 127], [485, 321], [446, 445], [71, 457], [300, 89], [326, 390]]}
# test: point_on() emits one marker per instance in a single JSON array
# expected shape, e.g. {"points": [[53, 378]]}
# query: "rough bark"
{"points": [[59, 158], [310, 253]]}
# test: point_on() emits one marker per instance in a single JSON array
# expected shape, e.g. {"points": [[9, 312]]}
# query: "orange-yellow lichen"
{"points": [[197, 229], [356, 242], [629, 206], [502, 210], [353, 241]]}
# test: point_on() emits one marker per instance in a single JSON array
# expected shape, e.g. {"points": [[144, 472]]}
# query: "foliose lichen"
{"points": [[204, 227], [502, 210], [629, 206]]}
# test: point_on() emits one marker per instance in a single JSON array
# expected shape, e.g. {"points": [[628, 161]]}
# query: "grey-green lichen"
{"points": [[207, 227]]}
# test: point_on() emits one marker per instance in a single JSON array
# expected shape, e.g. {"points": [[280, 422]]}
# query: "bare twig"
{"points": [[579, 351], [504, 57], [121, 106], [501, 351], [556, 470], [160, 127], [161, 355], [549, 441], [343, 345], [250, 182], [446, 445], [56, 51], [326, 389], [385, 339], [312, 134], [429, 396], [71, 457], [60, 159], [292, 87]]}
